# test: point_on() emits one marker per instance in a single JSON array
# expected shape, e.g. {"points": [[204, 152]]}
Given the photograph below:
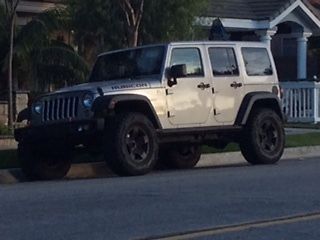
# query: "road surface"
{"points": [[240, 202]]}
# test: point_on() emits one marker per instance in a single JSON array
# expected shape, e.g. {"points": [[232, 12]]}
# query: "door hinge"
{"points": [[215, 112], [170, 115], [168, 92]]}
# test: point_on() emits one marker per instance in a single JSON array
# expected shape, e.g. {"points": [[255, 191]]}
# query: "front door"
{"points": [[189, 101], [227, 84]]}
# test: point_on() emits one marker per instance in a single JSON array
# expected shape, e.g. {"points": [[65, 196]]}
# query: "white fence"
{"points": [[301, 101]]}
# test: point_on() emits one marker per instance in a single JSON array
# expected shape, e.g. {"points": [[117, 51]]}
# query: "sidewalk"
{"points": [[100, 170], [299, 131]]}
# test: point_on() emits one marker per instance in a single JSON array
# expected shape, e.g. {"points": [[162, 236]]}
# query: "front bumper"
{"points": [[71, 132]]}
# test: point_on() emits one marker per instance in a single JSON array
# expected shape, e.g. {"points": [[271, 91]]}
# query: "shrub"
{"points": [[4, 130]]}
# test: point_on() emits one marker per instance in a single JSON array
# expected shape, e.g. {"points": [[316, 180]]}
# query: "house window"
{"points": [[223, 62], [257, 61], [189, 56]]}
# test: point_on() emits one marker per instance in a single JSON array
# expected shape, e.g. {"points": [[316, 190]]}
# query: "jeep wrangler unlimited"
{"points": [[159, 102]]}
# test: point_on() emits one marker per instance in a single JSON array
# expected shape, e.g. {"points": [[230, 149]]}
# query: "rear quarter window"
{"points": [[257, 62]]}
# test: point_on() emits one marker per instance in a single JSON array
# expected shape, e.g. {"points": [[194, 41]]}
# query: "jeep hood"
{"points": [[113, 86]]}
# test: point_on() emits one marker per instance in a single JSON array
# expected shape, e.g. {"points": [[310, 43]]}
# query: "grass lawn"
{"points": [[8, 158]]}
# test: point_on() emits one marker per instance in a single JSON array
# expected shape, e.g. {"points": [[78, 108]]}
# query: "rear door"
{"points": [[227, 83]]}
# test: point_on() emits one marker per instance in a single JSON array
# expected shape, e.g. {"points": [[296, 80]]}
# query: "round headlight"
{"points": [[87, 100], [37, 107]]}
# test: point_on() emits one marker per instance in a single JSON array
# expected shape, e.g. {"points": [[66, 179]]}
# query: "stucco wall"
{"points": [[20, 101]]}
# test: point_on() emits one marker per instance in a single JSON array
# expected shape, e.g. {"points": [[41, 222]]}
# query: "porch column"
{"points": [[302, 51], [266, 35]]}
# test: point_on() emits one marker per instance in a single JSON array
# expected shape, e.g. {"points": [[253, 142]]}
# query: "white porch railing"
{"points": [[301, 101]]}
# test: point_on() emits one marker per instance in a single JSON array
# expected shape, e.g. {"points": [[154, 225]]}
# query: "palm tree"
{"points": [[4, 42], [40, 61]]}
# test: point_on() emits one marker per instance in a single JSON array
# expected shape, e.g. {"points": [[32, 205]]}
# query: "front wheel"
{"points": [[263, 138], [131, 146], [44, 163]]}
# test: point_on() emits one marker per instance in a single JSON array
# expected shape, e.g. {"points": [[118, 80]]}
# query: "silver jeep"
{"points": [[157, 105]]}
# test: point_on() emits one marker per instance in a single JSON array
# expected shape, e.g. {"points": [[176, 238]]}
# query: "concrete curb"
{"points": [[99, 169], [218, 159]]}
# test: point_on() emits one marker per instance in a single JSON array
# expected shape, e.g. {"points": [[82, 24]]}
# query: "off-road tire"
{"points": [[42, 163], [130, 144], [183, 156], [263, 138]]}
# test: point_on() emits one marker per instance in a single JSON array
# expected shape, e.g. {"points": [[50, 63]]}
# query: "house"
{"points": [[287, 25]]}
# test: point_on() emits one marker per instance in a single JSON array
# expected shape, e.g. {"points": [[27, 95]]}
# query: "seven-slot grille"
{"points": [[60, 108]]}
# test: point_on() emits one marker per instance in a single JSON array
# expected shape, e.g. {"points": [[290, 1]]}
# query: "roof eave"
{"points": [[298, 3]]}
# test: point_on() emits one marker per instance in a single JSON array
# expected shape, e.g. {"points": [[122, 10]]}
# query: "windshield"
{"points": [[132, 63]]}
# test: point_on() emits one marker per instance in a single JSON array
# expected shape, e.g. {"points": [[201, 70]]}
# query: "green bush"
{"points": [[4, 130]]}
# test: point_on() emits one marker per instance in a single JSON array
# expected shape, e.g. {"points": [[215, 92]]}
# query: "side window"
{"points": [[257, 61], [223, 62], [189, 56]]}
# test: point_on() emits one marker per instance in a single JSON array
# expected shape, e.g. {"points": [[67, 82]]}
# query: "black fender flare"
{"points": [[25, 114], [266, 99], [107, 104]]}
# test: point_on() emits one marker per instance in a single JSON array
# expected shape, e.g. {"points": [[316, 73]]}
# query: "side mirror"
{"points": [[176, 71]]}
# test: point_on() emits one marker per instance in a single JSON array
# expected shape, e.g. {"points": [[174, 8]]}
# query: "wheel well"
{"points": [[256, 100], [267, 103], [140, 107]]}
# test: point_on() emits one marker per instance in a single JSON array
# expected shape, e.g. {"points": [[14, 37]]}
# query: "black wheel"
{"points": [[42, 163], [263, 139], [182, 156], [131, 146]]}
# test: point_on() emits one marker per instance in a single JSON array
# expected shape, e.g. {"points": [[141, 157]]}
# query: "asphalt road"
{"points": [[245, 202]]}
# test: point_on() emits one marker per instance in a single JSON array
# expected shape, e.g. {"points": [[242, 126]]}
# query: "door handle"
{"points": [[236, 85], [203, 86]]}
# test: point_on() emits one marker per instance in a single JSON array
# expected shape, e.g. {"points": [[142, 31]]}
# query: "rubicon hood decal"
{"points": [[111, 86], [130, 86]]}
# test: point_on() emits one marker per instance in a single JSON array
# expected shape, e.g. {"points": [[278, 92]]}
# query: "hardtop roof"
{"points": [[194, 43]]}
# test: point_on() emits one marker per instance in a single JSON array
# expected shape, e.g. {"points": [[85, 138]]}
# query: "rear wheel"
{"points": [[183, 156], [263, 138], [40, 162], [131, 146]]}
